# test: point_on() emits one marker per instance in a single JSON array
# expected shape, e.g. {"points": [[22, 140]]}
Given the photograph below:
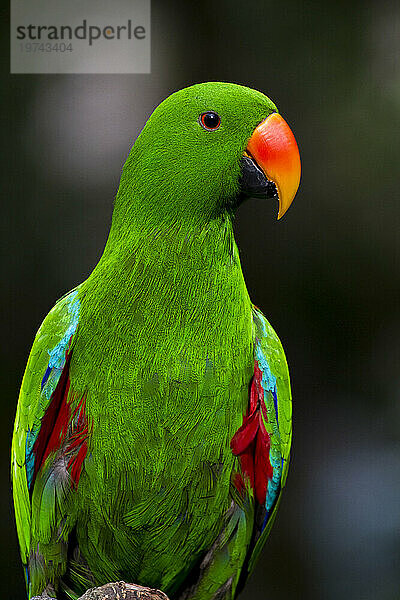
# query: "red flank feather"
{"points": [[78, 441], [58, 424], [252, 442], [54, 423]]}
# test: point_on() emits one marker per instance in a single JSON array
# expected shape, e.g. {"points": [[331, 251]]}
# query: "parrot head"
{"points": [[206, 148]]}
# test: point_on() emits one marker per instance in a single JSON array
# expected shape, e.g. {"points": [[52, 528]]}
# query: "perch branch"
{"points": [[113, 591]]}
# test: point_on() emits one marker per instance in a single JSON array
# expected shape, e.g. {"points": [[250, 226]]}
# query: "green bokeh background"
{"points": [[327, 276]]}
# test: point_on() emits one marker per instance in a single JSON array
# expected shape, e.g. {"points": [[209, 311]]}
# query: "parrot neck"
{"points": [[172, 267], [170, 260], [172, 247]]}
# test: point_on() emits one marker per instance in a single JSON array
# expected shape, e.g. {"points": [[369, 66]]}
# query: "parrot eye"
{"points": [[210, 120]]}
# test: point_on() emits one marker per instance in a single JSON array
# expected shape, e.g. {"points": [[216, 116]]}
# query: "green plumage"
{"points": [[162, 351]]}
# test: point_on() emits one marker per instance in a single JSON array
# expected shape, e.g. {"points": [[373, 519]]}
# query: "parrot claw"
{"points": [[123, 591]]}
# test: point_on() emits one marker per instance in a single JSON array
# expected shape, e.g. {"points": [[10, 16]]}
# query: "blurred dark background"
{"points": [[327, 276]]}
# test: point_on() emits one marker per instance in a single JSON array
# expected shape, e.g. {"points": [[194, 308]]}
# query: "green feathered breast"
{"points": [[123, 463]]}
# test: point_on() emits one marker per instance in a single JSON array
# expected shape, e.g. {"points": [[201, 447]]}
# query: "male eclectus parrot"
{"points": [[153, 429]]}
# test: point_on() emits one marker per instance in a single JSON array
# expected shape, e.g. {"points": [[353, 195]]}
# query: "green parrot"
{"points": [[153, 427]]}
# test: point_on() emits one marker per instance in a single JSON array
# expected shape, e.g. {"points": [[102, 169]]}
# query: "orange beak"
{"points": [[273, 147]]}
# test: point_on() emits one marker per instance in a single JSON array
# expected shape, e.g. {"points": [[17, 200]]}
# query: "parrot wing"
{"points": [[42, 421], [263, 441]]}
